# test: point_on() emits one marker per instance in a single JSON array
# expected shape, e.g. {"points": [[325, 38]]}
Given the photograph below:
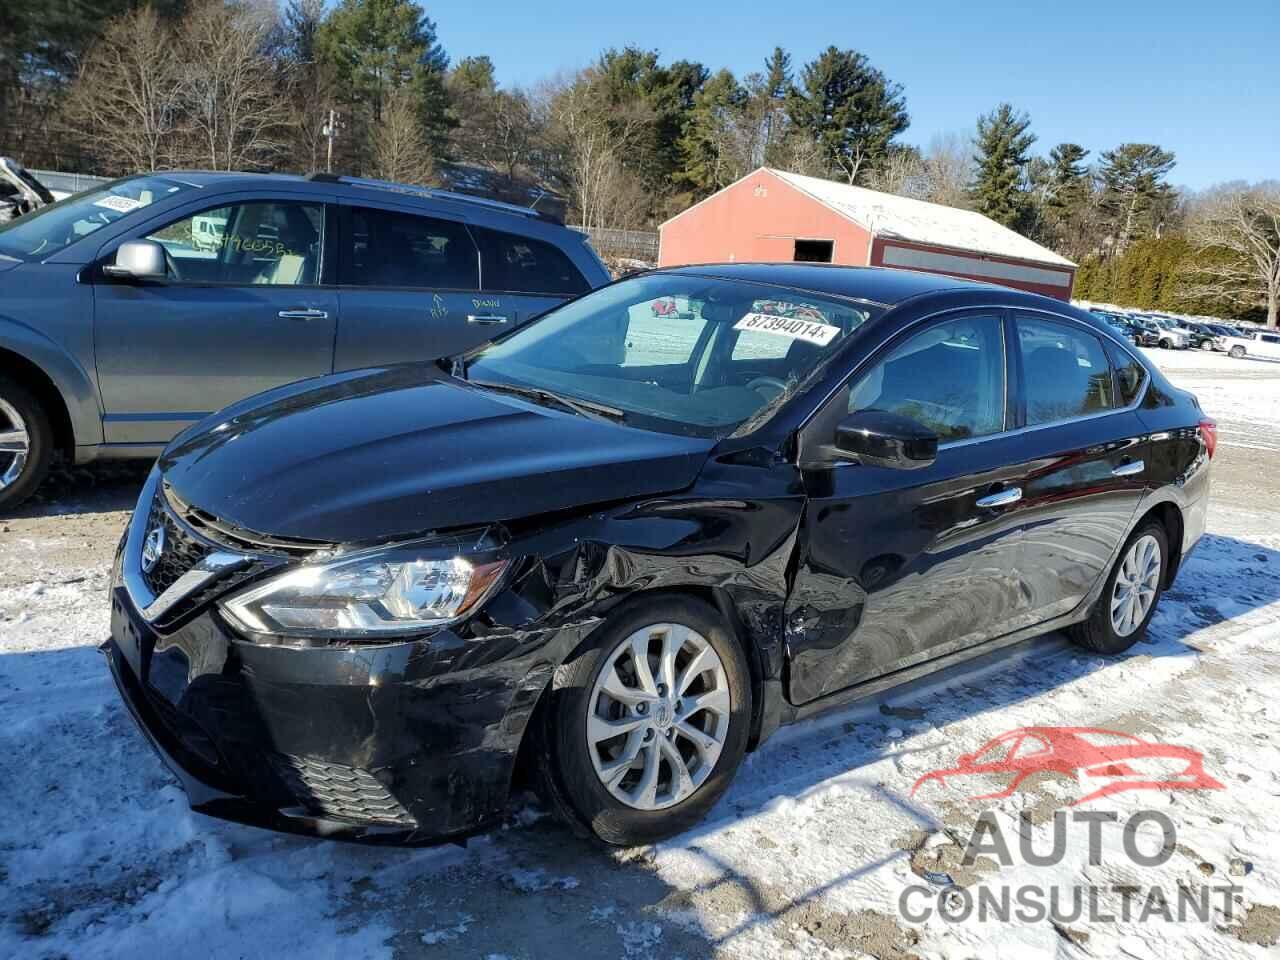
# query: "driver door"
{"points": [[247, 306]]}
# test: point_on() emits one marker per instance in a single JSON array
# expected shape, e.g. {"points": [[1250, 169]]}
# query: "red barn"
{"points": [[771, 215]]}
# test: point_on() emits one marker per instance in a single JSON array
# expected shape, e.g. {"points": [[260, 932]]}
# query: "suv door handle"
{"points": [[1129, 469], [485, 320], [303, 315], [1001, 498]]}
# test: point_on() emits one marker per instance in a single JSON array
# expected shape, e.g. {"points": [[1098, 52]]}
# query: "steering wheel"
{"points": [[771, 383]]}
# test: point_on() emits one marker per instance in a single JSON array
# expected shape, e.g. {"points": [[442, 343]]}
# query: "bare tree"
{"points": [[236, 116], [1237, 234], [589, 142], [400, 149], [948, 163], [126, 99]]}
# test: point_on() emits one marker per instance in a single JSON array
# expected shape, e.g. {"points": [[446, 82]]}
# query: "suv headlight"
{"points": [[371, 595]]}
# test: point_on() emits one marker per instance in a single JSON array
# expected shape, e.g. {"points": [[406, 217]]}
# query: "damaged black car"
{"points": [[611, 552]]}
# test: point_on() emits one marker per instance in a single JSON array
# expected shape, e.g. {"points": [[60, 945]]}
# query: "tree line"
{"points": [[366, 87]]}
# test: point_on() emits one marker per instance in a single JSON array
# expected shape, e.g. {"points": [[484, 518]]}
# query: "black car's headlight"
{"points": [[371, 595]]}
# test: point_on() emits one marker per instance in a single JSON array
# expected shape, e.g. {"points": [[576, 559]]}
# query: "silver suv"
{"points": [[132, 311]]}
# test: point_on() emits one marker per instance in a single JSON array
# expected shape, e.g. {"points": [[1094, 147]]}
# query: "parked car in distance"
{"points": [[1254, 344], [625, 545], [131, 311], [1146, 332], [1202, 337], [1173, 335]]}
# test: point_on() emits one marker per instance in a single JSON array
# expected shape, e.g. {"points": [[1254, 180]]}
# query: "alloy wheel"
{"points": [[658, 716], [15, 444], [1136, 585]]}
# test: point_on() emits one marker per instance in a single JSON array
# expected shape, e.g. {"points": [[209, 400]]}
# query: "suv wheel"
{"points": [[1166, 343], [26, 443], [1236, 352], [1120, 617], [647, 723]]}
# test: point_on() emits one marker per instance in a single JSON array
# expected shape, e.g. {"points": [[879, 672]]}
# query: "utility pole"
{"points": [[330, 131]]}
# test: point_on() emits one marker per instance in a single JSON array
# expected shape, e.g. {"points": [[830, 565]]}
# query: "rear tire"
{"points": [[26, 443], [1166, 344], [1120, 617], [1236, 352], [572, 769]]}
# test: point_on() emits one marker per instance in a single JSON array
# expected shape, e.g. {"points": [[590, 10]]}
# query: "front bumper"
{"points": [[411, 742]]}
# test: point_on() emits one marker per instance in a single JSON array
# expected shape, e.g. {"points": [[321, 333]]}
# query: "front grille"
{"points": [[181, 550], [340, 792]]}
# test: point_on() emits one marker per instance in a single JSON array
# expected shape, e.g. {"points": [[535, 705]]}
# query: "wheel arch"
{"points": [[34, 378], [1168, 515]]}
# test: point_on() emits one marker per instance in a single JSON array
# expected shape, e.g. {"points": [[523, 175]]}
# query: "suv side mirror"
{"points": [[138, 260], [881, 439]]}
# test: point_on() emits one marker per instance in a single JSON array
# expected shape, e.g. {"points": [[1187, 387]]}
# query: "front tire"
{"points": [[646, 724], [1236, 352], [26, 443], [1120, 617], [1166, 344]]}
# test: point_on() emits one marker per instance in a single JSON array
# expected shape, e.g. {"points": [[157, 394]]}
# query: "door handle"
{"points": [[1001, 498], [1129, 469], [303, 314], [485, 320]]}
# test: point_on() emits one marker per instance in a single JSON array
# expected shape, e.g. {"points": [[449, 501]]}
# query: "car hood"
{"points": [[393, 452]]}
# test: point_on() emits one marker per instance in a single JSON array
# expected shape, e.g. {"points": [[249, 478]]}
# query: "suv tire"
{"points": [[1116, 622], [572, 769], [25, 428], [1236, 352]]}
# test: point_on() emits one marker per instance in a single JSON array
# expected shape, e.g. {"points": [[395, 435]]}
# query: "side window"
{"points": [[393, 249], [1064, 369], [1130, 374], [516, 264], [271, 243], [949, 377]]}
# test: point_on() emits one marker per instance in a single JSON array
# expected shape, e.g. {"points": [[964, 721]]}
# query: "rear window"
{"points": [[516, 264], [1130, 374]]}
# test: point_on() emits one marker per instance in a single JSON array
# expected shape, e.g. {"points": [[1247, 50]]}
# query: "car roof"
{"points": [[349, 187], [876, 284]]}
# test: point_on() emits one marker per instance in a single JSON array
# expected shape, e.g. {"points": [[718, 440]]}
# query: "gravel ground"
{"points": [[806, 856]]}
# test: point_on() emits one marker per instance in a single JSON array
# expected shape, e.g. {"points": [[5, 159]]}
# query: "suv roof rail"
{"points": [[433, 193]]}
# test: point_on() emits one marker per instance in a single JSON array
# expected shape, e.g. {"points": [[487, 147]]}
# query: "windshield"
{"points": [[681, 354], [49, 229]]}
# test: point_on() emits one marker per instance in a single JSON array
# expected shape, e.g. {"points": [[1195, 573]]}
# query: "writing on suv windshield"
{"points": [[49, 229], [677, 353]]}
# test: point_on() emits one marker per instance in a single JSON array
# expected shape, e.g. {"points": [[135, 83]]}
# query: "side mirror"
{"points": [[138, 260], [881, 439]]}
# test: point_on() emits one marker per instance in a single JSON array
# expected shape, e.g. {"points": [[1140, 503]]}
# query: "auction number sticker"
{"points": [[118, 204], [806, 330]]}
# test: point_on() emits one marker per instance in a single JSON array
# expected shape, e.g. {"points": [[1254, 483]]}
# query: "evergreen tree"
{"points": [[850, 109], [1134, 194], [1002, 144], [708, 157], [773, 107]]}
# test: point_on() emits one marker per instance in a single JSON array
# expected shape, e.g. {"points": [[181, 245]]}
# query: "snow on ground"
{"points": [[807, 855]]}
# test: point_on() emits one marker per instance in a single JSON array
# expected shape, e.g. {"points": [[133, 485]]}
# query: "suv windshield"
{"points": [[49, 229], [677, 353]]}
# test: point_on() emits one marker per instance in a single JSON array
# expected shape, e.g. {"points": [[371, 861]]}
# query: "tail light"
{"points": [[1209, 435]]}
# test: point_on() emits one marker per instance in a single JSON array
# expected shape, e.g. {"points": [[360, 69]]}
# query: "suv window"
{"points": [[1064, 369], [1130, 374], [516, 264], [949, 377], [393, 249], [272, 243]]}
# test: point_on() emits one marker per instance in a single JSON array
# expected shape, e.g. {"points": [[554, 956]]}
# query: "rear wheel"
{"points": [[26, 443], [1166, 344], [647, 723], [1236, 352], [1128, 602]]}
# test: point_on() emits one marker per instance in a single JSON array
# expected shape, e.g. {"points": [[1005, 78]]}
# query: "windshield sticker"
{"points": [[790, 327], [118, 204]]}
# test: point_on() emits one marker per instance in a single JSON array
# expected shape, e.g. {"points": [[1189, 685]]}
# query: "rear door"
{"points": [[1081, 430], [410, 287], [249, 305], [521, 277]]}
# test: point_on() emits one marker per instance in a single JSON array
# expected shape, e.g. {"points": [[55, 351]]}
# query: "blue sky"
{"points": [[1201, 79]]}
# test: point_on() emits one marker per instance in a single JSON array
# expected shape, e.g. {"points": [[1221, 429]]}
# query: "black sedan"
{"points": [[617, 548]]}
